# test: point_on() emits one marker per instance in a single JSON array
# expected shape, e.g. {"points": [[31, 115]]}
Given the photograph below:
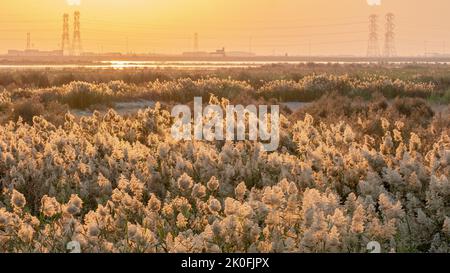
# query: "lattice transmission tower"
{"points": [[373, 49], [196, 42], [76, 46], [65, 42], [28, 41], [389, 39]]}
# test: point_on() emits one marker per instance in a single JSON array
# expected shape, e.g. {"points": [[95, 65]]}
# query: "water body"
{"points": [[184, 65], [131, 107]]}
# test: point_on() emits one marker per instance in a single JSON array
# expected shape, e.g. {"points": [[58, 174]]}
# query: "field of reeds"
{"points": [[366, 158]]}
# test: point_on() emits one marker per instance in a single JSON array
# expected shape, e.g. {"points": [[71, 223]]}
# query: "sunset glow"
{"points": [[264, 26]]}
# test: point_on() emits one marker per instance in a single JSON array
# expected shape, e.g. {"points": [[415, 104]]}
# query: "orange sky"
{"points": [[273, 26]]}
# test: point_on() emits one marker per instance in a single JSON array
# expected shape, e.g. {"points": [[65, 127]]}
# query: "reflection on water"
{"points": [[193, 65]]}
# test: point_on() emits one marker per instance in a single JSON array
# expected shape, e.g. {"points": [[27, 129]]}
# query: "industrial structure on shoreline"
{"points": [[67, 48]]}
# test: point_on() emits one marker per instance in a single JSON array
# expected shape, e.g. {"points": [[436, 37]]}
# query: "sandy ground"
{"points": [[295, 105], [441, 109], [125, 108]]}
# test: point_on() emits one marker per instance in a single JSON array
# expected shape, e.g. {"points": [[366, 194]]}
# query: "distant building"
{"points": [[89, 54], [240, 54], [34, 53], [218, 53], [435, 54], [196, 54], [112, 54]]}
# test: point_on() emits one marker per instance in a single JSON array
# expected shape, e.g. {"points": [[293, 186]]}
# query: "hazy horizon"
{"points": [[266, 27]]}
